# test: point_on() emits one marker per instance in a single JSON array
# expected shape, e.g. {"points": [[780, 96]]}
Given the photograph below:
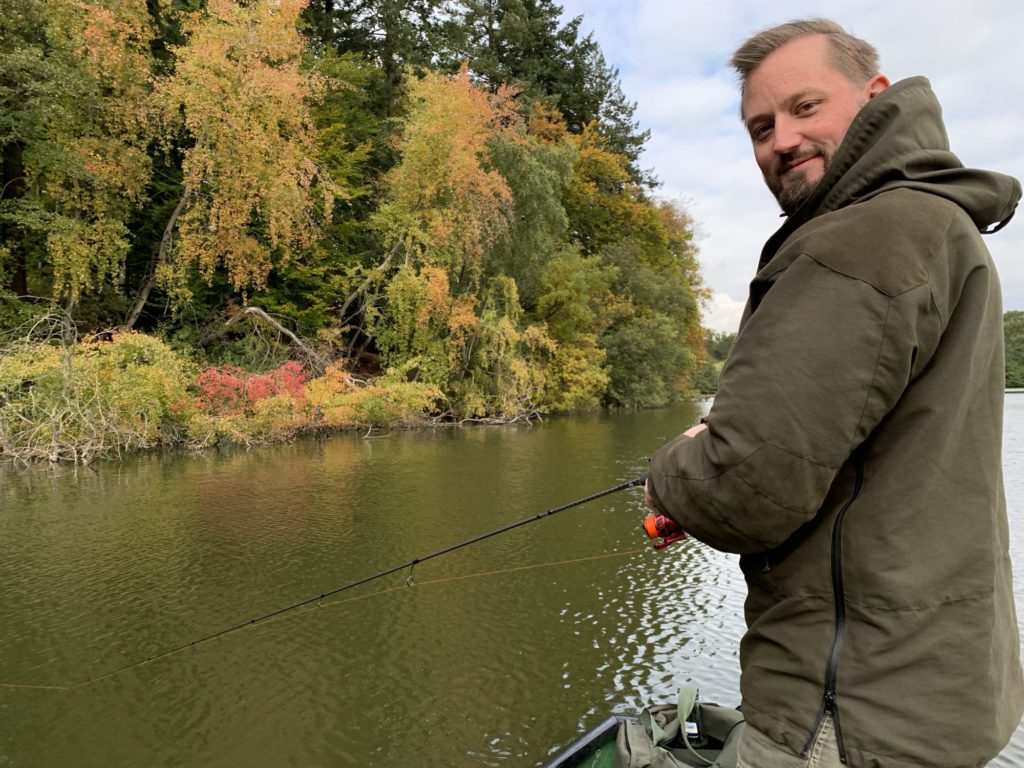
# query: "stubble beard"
{"points": [[797, 188]]}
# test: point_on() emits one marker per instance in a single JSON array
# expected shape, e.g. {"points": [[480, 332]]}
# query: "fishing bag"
{"points": [[706, 736]]}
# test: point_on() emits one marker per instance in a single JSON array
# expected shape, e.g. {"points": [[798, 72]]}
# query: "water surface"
{"points": [[497, 655]]}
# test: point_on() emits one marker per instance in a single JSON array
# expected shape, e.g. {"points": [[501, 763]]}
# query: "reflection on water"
{"points": [[499, 654]]}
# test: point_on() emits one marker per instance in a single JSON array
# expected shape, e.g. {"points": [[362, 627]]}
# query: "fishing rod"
{"points": [[655, 526]]}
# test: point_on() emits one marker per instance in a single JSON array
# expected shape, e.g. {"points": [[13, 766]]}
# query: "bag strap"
{"points": [[687, 702]]}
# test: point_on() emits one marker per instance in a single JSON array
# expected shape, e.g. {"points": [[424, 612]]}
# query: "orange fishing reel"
{"points": [[663, 527]]}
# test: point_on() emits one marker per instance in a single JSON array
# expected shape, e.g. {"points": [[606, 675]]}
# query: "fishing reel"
{"points": [[663, 527]]}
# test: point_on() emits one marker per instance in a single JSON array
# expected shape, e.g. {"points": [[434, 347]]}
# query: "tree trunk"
{"points": [[161, 259], [327, 32]]}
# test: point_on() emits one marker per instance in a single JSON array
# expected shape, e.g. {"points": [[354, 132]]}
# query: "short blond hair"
{"points": [[857, 59]]}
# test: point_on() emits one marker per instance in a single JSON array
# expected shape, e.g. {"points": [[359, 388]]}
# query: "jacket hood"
{"points": [[898, 140]]}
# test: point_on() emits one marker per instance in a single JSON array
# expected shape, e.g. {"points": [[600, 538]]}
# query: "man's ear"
{"points": [[876, 85]]}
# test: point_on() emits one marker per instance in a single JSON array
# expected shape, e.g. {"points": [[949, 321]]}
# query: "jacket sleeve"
{"points": [[815, 368]]}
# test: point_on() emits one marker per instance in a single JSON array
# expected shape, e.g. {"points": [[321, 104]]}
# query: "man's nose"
{"points": [[786, 135]]}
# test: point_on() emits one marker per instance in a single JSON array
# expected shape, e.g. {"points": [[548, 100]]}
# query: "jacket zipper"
{"points": [[829, 701]]}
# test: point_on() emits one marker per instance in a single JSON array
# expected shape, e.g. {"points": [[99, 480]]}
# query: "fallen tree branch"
{"points": [[313, 359]]}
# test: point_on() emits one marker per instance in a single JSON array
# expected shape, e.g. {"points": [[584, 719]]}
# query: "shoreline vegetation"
{"points": [[70, 400], [237, 221], [125, 391]]}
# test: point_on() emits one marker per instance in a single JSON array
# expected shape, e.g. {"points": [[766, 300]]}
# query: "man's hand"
{"points": [[648, 499], [694, 431]]}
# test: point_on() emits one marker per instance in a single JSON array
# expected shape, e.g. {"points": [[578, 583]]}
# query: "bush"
{"points": [[90, 399], [228, 390], [83, 401], [337, 400]]}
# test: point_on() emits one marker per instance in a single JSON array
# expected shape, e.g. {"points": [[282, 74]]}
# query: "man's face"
{"points": [[797, 108]]}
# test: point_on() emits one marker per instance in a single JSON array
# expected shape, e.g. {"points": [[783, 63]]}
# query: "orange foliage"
{"points": [[93, 163], [437, 299], [250, 178], [547, 124], [445, 202], [116, 40]]}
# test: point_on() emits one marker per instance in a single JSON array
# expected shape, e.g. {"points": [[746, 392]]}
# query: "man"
{"points": [[853, 453]]}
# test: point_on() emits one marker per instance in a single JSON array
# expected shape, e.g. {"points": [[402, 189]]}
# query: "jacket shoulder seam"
{"points": [[868, 283], [874, 376]]}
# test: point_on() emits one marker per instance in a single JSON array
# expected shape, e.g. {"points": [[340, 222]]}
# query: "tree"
{"points": [[524, 43], [394, 36], [252, 193], [652, 329], [74, 80], [1013, 332], [717, 345], [537, 171], [445, 207], [602, 201], [446, 203]]}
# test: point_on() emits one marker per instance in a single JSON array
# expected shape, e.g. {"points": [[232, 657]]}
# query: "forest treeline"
{"points": [[430, 206], [1013, 333]]}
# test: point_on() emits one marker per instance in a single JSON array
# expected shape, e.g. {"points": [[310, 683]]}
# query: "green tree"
{"points": [[537, 172], [523, 43], [1013, 333], [393, 36], [717, 345], [76, 124]]}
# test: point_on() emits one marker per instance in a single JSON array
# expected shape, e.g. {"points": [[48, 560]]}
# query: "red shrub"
{"points": [[222, 390], [230, 390]]}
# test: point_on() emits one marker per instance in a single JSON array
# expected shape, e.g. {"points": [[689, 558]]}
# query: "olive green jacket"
{"points": [[853, 457]]}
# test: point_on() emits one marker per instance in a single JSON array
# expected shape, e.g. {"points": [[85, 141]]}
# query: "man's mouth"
{"points": [[796, 162]]}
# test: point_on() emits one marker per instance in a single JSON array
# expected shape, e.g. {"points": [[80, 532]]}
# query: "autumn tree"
{"points": [[252, 193], [76, 124], [445, 207], [524, 43], [603, 201]]}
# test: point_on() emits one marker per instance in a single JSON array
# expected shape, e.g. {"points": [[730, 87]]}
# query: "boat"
{"points": [[708, 736], [595, 749]]}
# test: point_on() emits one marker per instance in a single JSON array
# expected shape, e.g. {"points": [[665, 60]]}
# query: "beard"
{"points": [[797, 187]]}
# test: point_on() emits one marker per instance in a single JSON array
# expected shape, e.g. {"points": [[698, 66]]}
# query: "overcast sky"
{"points": [[672, 58]]}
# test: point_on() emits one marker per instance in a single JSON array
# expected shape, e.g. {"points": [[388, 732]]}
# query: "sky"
{"points": [[672, 58]]}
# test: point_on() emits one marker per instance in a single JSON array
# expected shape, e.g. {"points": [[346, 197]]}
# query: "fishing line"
{"points": [[318, 599], [367, 596], [447, 580]]}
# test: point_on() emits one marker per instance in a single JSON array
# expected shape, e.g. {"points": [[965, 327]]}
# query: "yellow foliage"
{"points": [[90, 399], [603, 202], [92, 166], [336, 400], [250, 178], [445, 205], [547, 124]]}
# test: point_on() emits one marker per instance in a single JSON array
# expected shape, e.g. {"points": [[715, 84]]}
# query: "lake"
{"points": [[496, 655]]}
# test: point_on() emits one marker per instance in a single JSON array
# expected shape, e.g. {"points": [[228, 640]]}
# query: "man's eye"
{"points": [[807, 106], [760, 132]]}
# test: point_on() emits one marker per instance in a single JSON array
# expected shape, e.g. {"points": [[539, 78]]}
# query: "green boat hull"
{"points": [[596, 749]]}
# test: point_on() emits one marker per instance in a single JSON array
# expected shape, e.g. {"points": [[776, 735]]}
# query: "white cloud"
{"points": [[673, 60], [723, 313]]}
